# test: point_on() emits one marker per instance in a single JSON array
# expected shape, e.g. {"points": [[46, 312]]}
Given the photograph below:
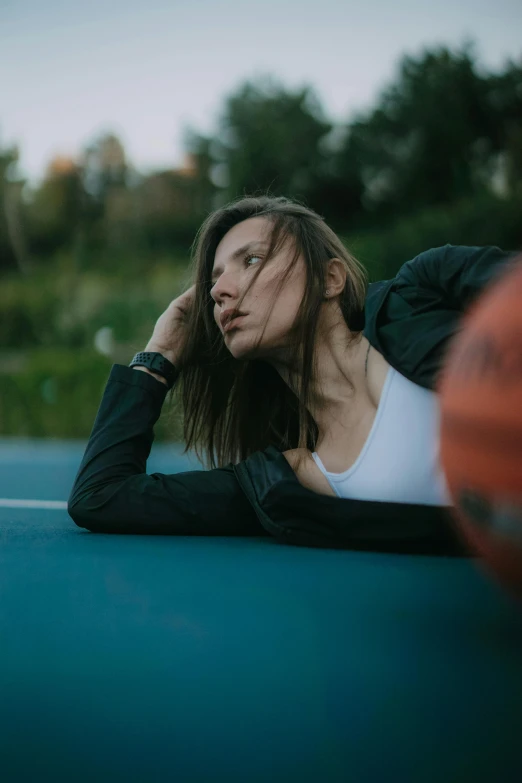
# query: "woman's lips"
{"points": [[234, 322]]}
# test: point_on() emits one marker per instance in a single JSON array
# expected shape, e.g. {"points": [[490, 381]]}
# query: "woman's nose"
{"points": [[224, 286]]}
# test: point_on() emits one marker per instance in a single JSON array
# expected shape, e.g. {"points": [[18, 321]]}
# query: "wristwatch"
{"points": [[157, 363]]}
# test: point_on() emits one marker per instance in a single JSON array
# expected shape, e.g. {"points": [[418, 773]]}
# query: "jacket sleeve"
{"points": [[112, 493], [456, 274]]}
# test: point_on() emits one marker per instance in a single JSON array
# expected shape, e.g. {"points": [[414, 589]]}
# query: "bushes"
{"points": [[57, 395], [51, 377], [64, 309], [484, 220], [29, 313]]}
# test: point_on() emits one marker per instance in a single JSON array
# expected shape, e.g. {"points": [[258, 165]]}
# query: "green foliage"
{"points": [[484, 220], [418, 146], [58, 393], [13, 245], [269, 139], [65, 309], [28, 313], [435, 133], [55, 213]]}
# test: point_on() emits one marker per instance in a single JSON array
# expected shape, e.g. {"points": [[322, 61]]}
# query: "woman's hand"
{"points": [[170, 332]]}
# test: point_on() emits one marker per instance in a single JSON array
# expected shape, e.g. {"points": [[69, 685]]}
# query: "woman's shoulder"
{"points": [[307, 472]]}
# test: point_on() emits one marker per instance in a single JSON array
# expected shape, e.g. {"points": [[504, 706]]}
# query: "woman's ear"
{"points": [[335, 277]]}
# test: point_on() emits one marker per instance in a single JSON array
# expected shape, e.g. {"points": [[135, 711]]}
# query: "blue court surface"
{"points": [[158, 658]]}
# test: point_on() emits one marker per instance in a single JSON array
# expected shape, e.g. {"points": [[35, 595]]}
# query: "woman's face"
{"points": [[237, 255]]}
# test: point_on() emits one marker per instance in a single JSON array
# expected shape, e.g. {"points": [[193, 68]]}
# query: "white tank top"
{"points": [[399, 462]]}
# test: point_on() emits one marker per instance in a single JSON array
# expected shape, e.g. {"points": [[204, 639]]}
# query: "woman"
{"points": [[321, 397]]}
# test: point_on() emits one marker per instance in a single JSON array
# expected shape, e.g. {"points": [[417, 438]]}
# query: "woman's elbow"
{"points": [[82, 517]]}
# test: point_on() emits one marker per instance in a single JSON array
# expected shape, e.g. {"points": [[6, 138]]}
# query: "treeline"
{"points": [[92, 256], [439, 158]]}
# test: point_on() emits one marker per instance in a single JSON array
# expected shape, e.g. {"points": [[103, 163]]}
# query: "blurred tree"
{"points": [[105, 175], [337, 187], [431, 137], [268, 140], [505, 105], [170, 206], [443, 132], [198, 149], [13, 244], [55, 208], [104, 166]]}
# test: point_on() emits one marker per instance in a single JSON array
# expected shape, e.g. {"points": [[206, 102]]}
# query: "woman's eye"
{"points": [[249, 258], [247, 261]]}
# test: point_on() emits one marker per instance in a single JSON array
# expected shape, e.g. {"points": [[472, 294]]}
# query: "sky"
{"points": [[147, 71]]}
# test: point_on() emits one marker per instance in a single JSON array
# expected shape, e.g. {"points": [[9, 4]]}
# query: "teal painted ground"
{"points": [[156, 658]]}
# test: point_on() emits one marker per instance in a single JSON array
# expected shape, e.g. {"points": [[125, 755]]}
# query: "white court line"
{"points": [[12, 503]]}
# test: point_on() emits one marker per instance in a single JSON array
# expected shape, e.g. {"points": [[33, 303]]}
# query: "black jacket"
{"points": [[409, 320]]}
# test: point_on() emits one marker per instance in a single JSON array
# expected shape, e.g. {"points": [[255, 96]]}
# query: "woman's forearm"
{"points": [[113, 493]]}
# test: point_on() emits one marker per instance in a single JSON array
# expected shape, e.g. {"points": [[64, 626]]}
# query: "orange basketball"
{"points": [[481, 428]]}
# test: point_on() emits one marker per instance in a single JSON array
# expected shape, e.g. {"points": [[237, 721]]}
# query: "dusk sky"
{"points": [[147, 70]]}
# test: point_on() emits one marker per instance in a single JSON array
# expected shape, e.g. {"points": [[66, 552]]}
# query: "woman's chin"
{"points": [[241, 353], [240, 348]]}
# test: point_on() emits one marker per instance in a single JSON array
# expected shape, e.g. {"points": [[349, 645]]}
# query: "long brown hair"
{"points": [[232, 408]]}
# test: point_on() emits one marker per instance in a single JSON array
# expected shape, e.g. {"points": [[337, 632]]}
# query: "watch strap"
{"points": [[157, 363]]}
